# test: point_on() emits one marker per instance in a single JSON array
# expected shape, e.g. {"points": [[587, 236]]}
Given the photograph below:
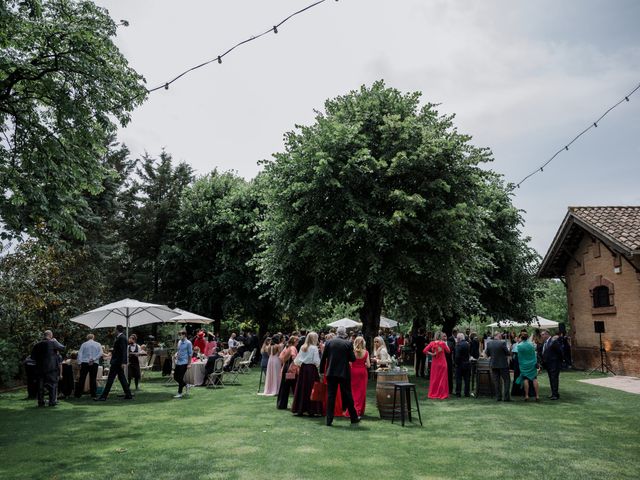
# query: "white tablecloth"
{"points": [[195, 374]]}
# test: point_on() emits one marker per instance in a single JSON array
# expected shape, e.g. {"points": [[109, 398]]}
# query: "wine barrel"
{"points": [[484, 382], [384, 392]]}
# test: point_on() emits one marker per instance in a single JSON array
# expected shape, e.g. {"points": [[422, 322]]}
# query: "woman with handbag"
{"points": [[287, 374], [308, 360]]}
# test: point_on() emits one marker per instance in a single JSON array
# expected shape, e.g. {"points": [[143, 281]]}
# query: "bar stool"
{"points": [[405, 389]]}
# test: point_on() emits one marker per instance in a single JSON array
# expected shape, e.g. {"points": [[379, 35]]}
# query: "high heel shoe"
{"points": [[537, 399], [526, 399]]}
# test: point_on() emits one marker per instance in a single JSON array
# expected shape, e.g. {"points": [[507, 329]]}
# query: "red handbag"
{"points": [[318, 391], [292, 372]]}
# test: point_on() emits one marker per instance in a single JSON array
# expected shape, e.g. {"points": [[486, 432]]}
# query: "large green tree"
{"points": [[552, 301], [509, 287], [64, 87], [378, 197], [207, 263], [148, 205], [41, 287]]}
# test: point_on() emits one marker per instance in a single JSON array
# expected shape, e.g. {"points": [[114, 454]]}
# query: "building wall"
{"points": [[622, 321]]}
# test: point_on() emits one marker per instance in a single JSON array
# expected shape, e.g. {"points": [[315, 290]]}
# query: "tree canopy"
{"points": [[64, 86], [381, 198], [207, 261]]}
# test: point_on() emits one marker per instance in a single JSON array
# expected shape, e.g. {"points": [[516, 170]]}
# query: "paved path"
{"points": [[626, 384]]}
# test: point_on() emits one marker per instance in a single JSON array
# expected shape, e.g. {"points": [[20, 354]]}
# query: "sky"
{"points": [[522, 78]]}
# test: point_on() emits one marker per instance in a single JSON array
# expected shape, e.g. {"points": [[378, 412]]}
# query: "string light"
{"points": [[566, 147], [218, 58]]}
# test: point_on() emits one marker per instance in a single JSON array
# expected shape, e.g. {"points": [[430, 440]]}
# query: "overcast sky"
{"points": [[523, 78]]}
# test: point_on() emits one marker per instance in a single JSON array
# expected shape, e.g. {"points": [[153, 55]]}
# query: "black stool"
{"points": [[405, 400]]}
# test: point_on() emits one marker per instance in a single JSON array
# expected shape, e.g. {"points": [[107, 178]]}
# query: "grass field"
{"points": [[232, 433]]}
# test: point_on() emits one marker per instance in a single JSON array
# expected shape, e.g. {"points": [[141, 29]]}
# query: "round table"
{"points": [[195, 375]]}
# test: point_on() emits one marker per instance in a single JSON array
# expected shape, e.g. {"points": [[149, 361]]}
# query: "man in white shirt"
{"points": [[233, 343], [89, 355]]}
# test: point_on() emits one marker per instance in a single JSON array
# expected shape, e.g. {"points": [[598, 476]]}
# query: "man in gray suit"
{"points": [[499, 354]]}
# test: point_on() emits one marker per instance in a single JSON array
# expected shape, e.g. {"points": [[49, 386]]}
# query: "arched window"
{"points": [[601, 297]]}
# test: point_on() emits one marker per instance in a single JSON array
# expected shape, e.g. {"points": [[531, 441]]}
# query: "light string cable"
{"points": [[218, 58], [566, 147]]}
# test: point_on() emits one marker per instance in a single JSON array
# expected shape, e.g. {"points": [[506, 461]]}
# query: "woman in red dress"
{"points": [[439, 379], [200, 341], [360, 375]]}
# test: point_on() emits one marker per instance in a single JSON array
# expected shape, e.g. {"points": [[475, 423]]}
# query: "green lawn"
{"points": [[232, 433]]}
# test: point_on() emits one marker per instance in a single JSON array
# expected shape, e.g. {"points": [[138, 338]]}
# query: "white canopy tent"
{"points": [[540, 322], [536, 322], [387, 322], [506, 324], [345, 322]]}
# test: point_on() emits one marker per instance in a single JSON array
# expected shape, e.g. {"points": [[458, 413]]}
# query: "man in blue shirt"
{"points": [[183, 361], [89, 355]]}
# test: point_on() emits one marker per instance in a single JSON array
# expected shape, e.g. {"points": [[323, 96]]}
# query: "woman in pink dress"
{"points": [[438, 379], [272, 379], [360, 375]]}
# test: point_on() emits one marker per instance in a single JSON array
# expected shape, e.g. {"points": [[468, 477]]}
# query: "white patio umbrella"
{"points": [[184, 316], [345, 322], [188, 317], [387, 322], [127, 312]]}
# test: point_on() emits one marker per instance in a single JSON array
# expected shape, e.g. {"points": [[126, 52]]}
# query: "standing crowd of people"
{"points": [[326, 375], [448, 358]]}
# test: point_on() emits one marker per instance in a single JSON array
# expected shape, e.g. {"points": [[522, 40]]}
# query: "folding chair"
{"points": [[171, 380], [234, 372], [246, 361], [214, 379], [146, 363]]}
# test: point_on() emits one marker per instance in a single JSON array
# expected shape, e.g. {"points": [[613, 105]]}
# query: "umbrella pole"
{"points": [[126, 370]]}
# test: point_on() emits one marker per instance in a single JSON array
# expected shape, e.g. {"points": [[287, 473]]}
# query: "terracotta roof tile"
{"points": [[620, 223]]}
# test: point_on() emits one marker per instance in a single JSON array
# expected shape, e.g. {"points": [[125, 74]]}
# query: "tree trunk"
{"points": [[417, 324], [370, 313], [448, 324], [216, 314], [265, 316]]}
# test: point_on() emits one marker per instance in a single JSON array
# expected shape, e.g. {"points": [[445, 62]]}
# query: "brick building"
{"points": [[596, 253]]}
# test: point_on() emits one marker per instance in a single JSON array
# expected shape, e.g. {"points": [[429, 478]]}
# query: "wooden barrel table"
{"points": [[384, 392], [484, 382]]}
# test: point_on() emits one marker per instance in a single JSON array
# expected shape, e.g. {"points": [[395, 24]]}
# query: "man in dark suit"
{"points": [[418, 344], [499, 353], [117, 366], [552, 361], [337, 354], [45, 355], [451, 343], [463, 364]]}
